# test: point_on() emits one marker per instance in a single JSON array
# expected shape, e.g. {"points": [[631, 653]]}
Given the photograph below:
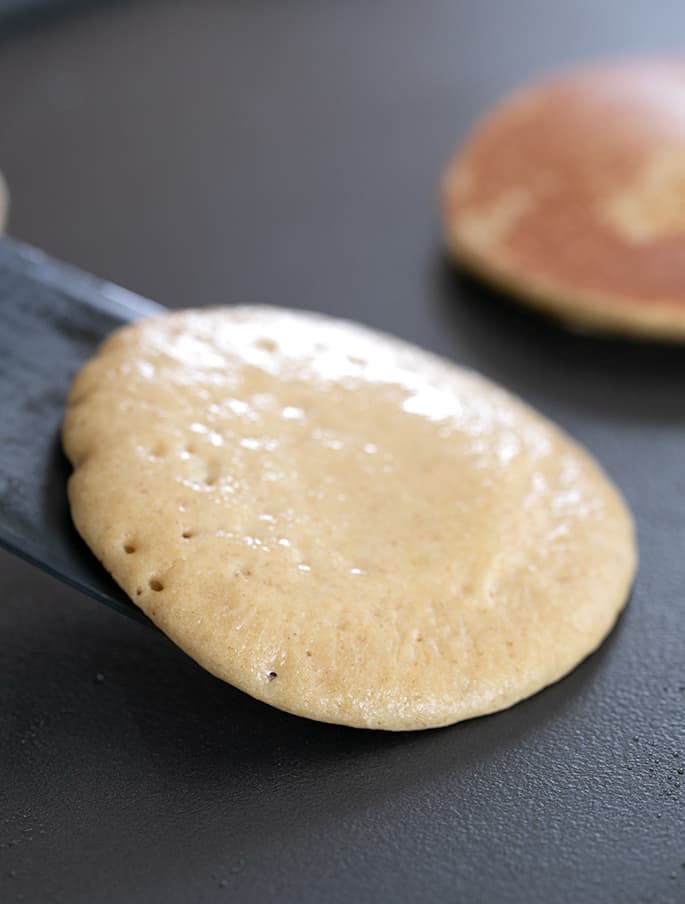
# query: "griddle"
{"points": [[288, 153]]}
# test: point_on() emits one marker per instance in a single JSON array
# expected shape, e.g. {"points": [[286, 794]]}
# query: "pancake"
{"points": [[571, 195], [338, 523]]}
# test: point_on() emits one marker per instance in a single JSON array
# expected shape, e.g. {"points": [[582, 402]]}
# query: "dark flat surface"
{"points": [[288, 152]]}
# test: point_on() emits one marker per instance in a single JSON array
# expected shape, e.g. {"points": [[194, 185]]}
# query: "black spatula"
{"points": [[52, 317]]}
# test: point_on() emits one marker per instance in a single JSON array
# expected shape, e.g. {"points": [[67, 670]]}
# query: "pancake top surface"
{"points": [[575, 186], [339, 523]]}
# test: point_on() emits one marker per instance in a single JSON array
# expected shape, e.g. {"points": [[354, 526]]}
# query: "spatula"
{"points": [[52, 317]]}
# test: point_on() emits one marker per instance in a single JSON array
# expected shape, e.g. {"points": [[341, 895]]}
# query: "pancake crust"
{"points": [[338, 523], [571, 194]]}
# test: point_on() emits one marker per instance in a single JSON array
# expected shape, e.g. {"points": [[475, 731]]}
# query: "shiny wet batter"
{"points": [[338, 523]]}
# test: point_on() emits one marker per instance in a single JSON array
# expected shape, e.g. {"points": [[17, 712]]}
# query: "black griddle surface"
{"points": [[288, 153]]}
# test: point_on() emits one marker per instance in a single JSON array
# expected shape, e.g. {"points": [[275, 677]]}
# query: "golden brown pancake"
{"points": [[571, 194], [341, 524]]}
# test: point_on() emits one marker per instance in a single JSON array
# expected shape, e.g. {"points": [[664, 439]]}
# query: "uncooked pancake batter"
{"points": [[341, 524]]}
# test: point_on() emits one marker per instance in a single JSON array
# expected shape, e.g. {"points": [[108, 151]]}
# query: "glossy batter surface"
{"points": [[572, 194], [338, 523]]}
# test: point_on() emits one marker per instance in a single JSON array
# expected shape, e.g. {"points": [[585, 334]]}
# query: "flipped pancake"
{"points": [[338, 523], [571, 195]]}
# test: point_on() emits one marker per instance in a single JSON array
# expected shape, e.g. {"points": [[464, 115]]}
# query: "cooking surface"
{"points": [[288, 153]]}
